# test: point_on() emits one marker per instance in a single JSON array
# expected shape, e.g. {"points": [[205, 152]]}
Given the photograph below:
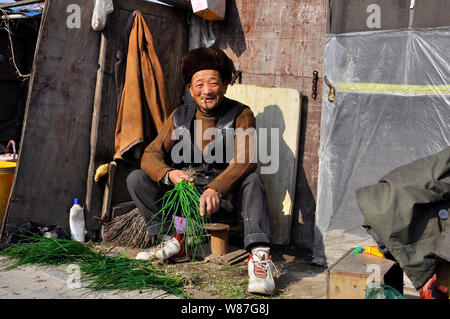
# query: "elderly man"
{"points": [[207, 73]]}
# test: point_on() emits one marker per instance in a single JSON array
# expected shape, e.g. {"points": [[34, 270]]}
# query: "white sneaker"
{"points": [[172, 247], [260, 268]]}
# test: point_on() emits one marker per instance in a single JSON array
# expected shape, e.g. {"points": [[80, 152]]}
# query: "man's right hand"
{"points": [[177, 175]]}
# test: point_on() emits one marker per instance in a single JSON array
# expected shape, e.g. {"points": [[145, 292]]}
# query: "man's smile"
{"points": [[208, 99]]}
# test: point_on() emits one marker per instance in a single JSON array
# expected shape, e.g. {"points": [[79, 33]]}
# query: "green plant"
{"points": [[99, 271], [184, 201]]}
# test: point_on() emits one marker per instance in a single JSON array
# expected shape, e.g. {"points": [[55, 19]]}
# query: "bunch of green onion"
{"points": [[99, 271], [184, 201]]}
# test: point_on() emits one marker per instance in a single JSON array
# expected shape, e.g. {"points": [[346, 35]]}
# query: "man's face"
{"points": [[207, 89]]}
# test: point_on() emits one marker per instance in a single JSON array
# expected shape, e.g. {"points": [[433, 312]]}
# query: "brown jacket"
{"points": [[143, 103], [153, 159]]}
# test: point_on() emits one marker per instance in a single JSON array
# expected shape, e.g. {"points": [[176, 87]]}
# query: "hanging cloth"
{"points": [[144, 101]]}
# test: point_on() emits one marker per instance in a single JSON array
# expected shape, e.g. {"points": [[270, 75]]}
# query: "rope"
{"points": [[13, 58]]}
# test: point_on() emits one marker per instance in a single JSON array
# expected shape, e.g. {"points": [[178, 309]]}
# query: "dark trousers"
{"points": [[248, 206]]}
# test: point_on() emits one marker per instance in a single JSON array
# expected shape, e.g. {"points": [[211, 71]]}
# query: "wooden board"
{"points": [[280, 43], [236, 258], [279, 109], [344, 286], [431, 14], [353, 15], [348, 277], [122, 208], [54, 155]]}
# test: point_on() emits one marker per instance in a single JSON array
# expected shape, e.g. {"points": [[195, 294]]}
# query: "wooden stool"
{"points": [[219, 238]]}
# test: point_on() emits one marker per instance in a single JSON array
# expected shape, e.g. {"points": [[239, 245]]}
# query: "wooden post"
{"points": [[107, 195], [94, 132], [219, 238]]}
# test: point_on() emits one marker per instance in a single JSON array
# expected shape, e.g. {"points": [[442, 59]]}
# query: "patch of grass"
{"points": [[209, 280], [216, 281]]}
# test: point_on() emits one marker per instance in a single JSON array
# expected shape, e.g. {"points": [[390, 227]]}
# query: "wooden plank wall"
{"points": [[275, 42], [170, 48], [352, 15], [55, 160], [280, 43], [55, 143]]}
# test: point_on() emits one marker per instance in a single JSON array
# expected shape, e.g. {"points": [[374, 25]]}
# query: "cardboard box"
{"points": [[348, 277], [209, 9]]}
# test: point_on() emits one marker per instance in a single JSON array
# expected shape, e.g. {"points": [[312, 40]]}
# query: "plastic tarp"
{"points": [[29, 9], [392, 106]]}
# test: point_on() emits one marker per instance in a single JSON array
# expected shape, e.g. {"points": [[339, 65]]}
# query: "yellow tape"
{"points": [[393, 88]]}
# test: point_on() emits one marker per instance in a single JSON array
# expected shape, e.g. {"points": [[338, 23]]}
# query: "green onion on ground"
{"points": [[184, 201], [101, 272]]}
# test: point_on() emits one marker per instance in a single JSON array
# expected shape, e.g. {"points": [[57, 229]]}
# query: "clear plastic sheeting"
{"points": [[392, 106], [100, 14]]}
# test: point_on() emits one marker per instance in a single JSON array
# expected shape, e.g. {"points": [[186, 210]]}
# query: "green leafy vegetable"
{"points": [[184, 201], [99, 271]]}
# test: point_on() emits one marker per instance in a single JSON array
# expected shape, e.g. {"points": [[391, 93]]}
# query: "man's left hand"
{"points": [[209, 202]]}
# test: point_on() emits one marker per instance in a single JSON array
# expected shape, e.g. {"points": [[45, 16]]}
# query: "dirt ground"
{"points": [[203, 279], [211, 279]]}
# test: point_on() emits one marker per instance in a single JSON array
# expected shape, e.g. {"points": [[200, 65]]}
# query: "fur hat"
{"points": [[206, 59]]}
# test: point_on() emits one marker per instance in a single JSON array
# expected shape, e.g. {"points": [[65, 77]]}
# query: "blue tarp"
{"points": [[30, 9]]}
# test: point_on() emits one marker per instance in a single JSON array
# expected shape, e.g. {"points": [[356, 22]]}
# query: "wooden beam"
{"points": [[122, 208], [106, 208], [19, 3], [96, 110]]}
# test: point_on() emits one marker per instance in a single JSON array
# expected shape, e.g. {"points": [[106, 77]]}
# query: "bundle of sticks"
{"points": [[128, 230]]}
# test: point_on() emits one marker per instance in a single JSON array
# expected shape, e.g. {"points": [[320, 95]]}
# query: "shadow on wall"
{"points": [[278, 167], [231, 29], [303, 216]]}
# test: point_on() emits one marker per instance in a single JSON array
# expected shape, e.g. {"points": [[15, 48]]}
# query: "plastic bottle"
{"points": [[76, 221]]}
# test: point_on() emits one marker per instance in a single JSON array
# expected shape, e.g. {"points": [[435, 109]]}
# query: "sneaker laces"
{"points": [[167, 241], [163, 244], [260, 267]]}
